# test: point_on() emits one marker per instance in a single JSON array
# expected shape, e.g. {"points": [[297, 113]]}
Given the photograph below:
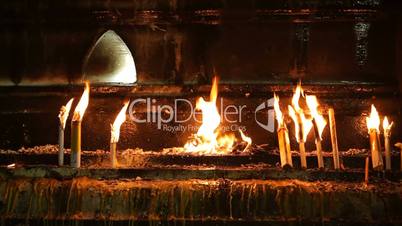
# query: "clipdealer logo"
{"points": [[163, 114], [266, 106]]}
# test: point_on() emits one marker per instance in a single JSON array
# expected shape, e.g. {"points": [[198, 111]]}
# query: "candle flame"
{"points": [[246, 139], [312, 104], [206, 134], [10, 166], [64, 111], [225, 141], [296, 96], [385, 124], [373, 122], [210, 115], [297, 114], [115, 127], [207, 140], [278, 112], [82, 104]]}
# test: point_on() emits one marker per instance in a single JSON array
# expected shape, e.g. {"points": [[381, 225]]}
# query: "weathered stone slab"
{"points": [[197, 200]]}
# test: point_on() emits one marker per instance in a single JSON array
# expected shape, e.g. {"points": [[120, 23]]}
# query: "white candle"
{"points": [[63, 115], [115, 134]]}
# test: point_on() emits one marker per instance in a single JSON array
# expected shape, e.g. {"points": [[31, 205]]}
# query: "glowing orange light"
{"points": [[385, 124], [207, 139], [64, 111], [225, 141], [312, 104], [297, 114], [121, 117], [373, 122], [210, 115], [206, 134], [246, 139], [296, 96], [82, 104], [278, 112]]}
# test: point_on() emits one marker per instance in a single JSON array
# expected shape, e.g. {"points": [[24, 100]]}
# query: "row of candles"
{"points": [[302, 124], [302, 128], [317, 123], [78, 115]]}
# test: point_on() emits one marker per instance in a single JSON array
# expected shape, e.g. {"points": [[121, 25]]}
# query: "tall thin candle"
{"points": [[63, 115], [334, 139], [283, 136], [115, 134], [302, 128], [76, 128], [319, 124], [387, 142], [373, 123], [302, 125]]}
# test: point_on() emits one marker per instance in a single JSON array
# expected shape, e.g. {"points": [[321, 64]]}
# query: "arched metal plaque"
{"points": [[109, 61]]}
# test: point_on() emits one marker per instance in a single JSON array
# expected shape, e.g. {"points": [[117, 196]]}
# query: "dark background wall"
{"points": [[179, 41]]}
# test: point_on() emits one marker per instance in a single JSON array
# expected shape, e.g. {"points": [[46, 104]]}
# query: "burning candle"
{"points": [[319, 124], [387, 142], [283, 136], [76, 128], [334, 139], [245, 139], [373, 123], [115, 133], [302, 125], [63, 115]]}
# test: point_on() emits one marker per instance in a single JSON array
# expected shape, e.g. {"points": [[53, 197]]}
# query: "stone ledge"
{"points": [[199, 200]]}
